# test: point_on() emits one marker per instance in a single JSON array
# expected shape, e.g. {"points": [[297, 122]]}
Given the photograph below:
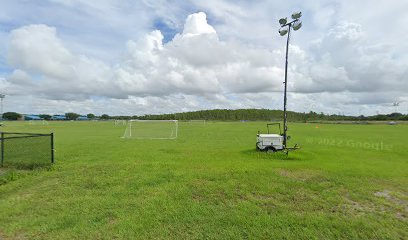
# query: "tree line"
{"points": [[232, 115], [269, 115]]}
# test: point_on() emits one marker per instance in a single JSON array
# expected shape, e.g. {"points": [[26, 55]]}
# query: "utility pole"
{"points": [[2, 96]]}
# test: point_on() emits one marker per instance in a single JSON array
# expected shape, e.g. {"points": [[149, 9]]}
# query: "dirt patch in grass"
{"points": [[393, 197], [391, 204], [357, 208], [384, 194], [353, 207], [16, 236], [396, 200]]}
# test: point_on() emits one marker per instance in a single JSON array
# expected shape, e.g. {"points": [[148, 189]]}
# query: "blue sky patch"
{"points": [[168, 32]]}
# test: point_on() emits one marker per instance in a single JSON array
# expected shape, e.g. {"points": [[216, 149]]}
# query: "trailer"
{"points": [[273, 142]]}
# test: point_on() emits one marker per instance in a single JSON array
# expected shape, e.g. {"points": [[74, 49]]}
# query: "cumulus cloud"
{"points": [[343, 60], [38, 54], [194, 62], [196, 24]]}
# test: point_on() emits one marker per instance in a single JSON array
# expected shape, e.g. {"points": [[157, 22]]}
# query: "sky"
{"points": [[136, 57]]}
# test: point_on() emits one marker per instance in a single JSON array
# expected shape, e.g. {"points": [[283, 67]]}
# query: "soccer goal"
{"points": [[197, 122], [37, 122], [120, 122], [151, 129]]}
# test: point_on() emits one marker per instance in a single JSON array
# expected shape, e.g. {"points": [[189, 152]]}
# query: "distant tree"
{"points": [[394, 116], [71, 116], [45, 116], [361, 117], [90, 116], [105, 116], [11, 115]]}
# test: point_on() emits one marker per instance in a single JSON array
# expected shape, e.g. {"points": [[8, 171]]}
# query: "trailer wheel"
{"points": [[271, 150], [257, 148]]}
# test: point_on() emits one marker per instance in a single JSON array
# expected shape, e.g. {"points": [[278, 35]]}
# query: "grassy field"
{"points": [[347, 182]]}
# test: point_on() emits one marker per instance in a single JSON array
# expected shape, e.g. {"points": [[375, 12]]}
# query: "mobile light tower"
{"points": [[278, 142], [285, 28], [2, 96]]}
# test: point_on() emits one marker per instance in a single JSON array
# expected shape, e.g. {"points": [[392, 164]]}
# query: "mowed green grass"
{"points": [[347, 182]]}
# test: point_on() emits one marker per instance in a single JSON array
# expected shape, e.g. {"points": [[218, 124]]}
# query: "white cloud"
{"points": [[19, 77], [194, 62], [196, 24], [36, 48], [333, 65], [58, 73]]}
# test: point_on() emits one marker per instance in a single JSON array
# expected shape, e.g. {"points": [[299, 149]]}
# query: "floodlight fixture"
{"points": [[296, 15], [283, 32], [283, 21], [297, 25]]}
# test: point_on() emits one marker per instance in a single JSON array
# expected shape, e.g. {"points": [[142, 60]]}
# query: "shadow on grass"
{"points": [[271, 155]]}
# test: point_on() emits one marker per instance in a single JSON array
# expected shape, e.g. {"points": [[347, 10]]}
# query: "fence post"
{"points": [[2, 148], [52, 147]]}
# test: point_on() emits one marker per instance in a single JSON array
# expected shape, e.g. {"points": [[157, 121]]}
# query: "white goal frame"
{"points": [[38, 122], [129, 129], [197, 122], [120, 122]]}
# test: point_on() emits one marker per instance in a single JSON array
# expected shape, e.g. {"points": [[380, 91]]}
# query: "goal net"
{"points": [[151, 129], [120, 122], [196, 122], [37, 122]]}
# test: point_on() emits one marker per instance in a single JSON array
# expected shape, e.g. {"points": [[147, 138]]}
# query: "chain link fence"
{"points": [[26, 150]]}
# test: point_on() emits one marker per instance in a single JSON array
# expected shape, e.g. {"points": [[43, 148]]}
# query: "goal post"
{"points": [[151, 129]]}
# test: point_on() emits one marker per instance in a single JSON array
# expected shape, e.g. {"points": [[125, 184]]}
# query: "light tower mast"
{"points": [[2, 96], [286, 26]]}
